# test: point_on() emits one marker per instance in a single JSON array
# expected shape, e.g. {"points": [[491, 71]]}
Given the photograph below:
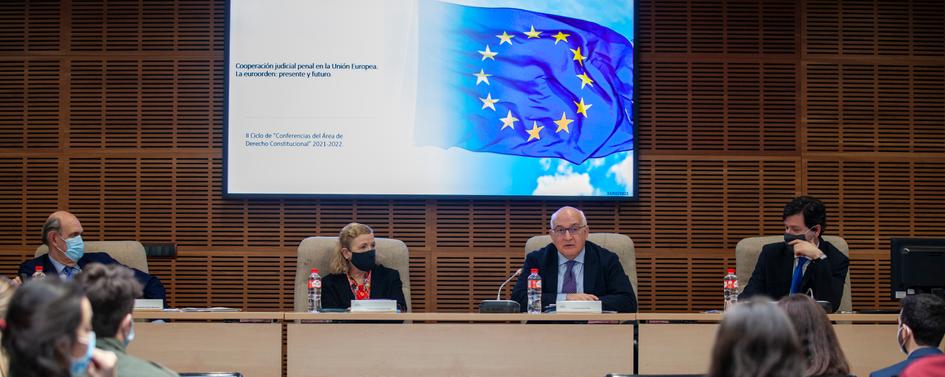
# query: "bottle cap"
{"points": [[315, 270], [731, 271], [39, 268], [534, 270]]}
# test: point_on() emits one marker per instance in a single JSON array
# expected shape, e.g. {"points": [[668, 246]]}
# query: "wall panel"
{"points": [[114, 110]]}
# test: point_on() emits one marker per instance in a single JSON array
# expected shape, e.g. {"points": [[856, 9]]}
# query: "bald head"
{"points": [[59, 226], [570, 212]]}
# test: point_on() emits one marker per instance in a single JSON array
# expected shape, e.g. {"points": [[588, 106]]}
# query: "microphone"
{"points": [[498, 305]]}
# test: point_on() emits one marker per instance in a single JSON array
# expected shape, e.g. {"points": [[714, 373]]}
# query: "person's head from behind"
{"points": [[805, 216], [921, 322], [818, 339], [111, 289], [355, 249], [62, 233], [755, 339], [49, 330], [568, 231]]}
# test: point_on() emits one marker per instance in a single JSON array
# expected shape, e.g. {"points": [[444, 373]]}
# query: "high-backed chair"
{"points": [[748, 249], [617, 243], [315, 252], [128, 253]]}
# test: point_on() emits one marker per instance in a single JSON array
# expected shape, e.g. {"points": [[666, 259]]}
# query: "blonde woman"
{"points": [[355, 274]]}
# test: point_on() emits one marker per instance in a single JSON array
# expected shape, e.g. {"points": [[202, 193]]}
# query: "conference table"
{"points": [[463, 344]]}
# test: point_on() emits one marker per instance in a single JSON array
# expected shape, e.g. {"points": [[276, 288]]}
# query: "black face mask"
{"points": [[791, 237], [364, 261]]}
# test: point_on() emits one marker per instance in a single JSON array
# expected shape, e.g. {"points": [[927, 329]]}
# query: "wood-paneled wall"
{"points": [[113, 110]]}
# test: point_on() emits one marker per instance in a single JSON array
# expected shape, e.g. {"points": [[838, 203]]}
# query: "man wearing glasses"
{"points": [[575, 269]]}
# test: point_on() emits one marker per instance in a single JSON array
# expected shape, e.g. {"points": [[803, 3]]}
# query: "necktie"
{"points": [[569, 285], [70, 272], [798, 275]]}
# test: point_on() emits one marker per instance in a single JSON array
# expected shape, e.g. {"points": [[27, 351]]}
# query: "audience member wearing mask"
{"points": [[112, 290], [921, 328], [49, 333]]}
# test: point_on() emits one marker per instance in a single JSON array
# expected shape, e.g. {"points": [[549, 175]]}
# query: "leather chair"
{"points": [[617, 243], [128, 253], [315, 252], [748, 249]]}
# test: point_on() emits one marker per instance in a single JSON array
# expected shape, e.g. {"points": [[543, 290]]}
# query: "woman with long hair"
{"points": [[818, 340], [355, 273]]}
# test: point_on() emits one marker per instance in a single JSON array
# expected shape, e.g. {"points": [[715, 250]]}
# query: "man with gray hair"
{"points": [[62, 233], [575, 269]]}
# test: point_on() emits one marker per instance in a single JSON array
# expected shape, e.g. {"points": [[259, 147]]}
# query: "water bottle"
{"points": [[314, 292], [39, 274], [730, 288], [534, 292]]}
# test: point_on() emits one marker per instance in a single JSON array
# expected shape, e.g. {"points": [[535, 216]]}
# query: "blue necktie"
{"points": [[570, 284], [798, 275], [70, 272]]}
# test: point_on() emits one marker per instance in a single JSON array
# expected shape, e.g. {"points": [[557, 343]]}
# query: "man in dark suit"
{"points": [[62, 233], [804, 261], [575, 269], [921, 329]]}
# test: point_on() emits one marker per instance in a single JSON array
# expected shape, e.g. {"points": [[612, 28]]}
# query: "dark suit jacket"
{"points": [[775, 267], [896, 369], [385, 284], [603, 277], [153, 289]]}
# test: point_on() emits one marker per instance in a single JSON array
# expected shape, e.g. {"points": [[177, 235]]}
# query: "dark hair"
{"points": [[925, 315], [112, 290], [817, 337], [52, 224], [755, 339], [813, 211], [42, 323]]}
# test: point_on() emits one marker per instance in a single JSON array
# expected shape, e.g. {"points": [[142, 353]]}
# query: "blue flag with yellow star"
{"points": [[523, 83]]}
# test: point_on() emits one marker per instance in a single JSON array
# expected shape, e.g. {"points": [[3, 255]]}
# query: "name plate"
{"points": [[149, 304], [578, 307], [372, 306]]}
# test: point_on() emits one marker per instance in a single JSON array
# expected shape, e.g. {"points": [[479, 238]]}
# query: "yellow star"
{"points": [[581, 107], [484, 77], [488, 54], [585, 80], [508, 121], [563, 124], [533, 133], [532, 34], [561, 37], [505, 38], [577, 55], [490, 103]]}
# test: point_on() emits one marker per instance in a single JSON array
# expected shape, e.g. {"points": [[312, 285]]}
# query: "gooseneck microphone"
{"points": [[498, 305]]}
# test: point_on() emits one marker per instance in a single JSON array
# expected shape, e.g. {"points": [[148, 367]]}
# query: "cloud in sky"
{"points": [[564, 185], [623, 172]]}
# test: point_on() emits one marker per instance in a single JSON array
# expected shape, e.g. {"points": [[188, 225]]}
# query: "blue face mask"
{"points": [[75, 248], [80, 364], [131, 335]]}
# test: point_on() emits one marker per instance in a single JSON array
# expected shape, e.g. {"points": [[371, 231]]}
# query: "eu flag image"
{"points": [[517, 82]]}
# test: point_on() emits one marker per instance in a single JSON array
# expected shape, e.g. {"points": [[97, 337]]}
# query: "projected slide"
{"points": [[430, 98]]}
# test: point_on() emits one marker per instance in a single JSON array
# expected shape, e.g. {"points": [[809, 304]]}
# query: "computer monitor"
{"points": [[918, 266]]}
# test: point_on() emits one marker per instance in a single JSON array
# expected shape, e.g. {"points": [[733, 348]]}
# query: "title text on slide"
{"points": [[296, 70]]}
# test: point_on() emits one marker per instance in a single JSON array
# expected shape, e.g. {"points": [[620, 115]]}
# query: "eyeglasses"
{"points": [[559, 231]]}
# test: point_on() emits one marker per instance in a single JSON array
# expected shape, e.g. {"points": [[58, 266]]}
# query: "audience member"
{"points": [[49, 333], [932, 366], [818, 340], [112, 290], [921, 328], [756, 339]]}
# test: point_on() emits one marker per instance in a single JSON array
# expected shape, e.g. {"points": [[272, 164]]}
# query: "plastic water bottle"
{"points": [[314, 292], [39, 274], [534, 292], [730, 288]]}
